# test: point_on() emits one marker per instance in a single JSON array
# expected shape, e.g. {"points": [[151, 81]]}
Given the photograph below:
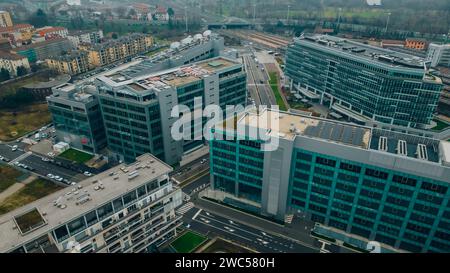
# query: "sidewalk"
{"points": [[15, 187]]}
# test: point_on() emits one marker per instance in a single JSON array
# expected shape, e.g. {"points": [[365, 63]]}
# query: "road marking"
{"points": [[185, 208], [203, 223], [198, 212]]}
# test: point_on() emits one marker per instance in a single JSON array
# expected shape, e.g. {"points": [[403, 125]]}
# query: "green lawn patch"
{"points": [[440, 125], [8, 176], [77, 156], [274, 85], [187, 242], [31, 192]]}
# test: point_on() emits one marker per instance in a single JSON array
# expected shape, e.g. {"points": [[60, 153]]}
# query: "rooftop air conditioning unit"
{"points": [[422, 152], [382, 144], [402, 148]]}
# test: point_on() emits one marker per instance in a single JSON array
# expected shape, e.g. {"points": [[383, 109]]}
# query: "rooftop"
{"points": [[286, 125], [15, 27], [40, 217], [173, 77], [39, 44], [372, 53], [11, 56]]}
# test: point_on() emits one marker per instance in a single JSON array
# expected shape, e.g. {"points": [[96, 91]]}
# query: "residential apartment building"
{"points": [[114, 50], [47, 32], [86, 37], [18, 35], [360, 182], [129, 208], [439, 55], [43, 50], [5, 19], [12, 62], [364, 83], [137, 112], [72, 63], [77, 117]]}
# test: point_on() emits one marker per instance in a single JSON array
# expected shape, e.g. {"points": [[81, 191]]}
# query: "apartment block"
{"points": [[86, 37], [18, 35], [362, 182], [127, 209], [114, 50], [12, 62], [73, 63], [5, 19], [366, 84]]}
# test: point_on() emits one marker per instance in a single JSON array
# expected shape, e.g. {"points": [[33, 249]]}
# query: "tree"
{"points": [[21, 71], [114, 36], [39, 19], [170, 12], [4, 75]]}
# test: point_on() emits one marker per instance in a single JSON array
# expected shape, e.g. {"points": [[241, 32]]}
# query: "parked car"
{"points": [[51, 176], [14, 148], [87, 173]]}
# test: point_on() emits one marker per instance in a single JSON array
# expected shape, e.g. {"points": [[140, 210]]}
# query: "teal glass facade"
{"points": [[237, 168], [401, 210], [383, 92]]}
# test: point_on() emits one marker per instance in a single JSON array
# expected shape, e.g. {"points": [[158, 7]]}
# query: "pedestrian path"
{"points": [[288, 218], [185, 208]]}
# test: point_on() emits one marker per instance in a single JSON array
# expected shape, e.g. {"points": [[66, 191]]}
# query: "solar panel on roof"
{"points": [[347, 135], [326, 130], [336, 134], [358, 136]]}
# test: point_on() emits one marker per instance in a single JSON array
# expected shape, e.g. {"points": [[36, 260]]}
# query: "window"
{"points": [[91, 218], [141, 191], [350, 167], [105, 211], [376, 174], [118, 204], [129, 197], [325, 161], [61, 233], [76, 226]]}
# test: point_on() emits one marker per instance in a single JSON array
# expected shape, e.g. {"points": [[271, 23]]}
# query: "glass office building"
{"points": [[137, 112], [365, 182], [362, 82]]}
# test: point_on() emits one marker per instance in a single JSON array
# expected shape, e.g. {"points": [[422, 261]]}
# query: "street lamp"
{"points": [[287, 17], [387, 22]]}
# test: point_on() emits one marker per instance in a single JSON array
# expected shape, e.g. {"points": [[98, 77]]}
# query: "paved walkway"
{"points": [[14, 188]]}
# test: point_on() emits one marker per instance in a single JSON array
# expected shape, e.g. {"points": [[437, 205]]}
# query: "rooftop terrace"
{"points": [[288, 126], [40, 217]]}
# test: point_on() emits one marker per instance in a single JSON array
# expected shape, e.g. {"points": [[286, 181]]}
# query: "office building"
{"points": [[12, 62], [77, 117], [439, 55], [191, 50], [373, 184], [137, 111], [44, 50], [115, 50], [364, 83], [129, 208], [72, 63], [5, 19]]}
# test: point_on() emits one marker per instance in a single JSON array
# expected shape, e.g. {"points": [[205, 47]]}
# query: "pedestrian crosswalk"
{"points": [[288, 218], [185, 208]]}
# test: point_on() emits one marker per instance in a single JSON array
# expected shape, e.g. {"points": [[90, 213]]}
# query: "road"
{"points": [[258, 85], [211, 224]]}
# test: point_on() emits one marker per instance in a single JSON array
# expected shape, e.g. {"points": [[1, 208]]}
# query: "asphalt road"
{"points": [[214, 225], [44, 168], [258, 85], [189, 188]]}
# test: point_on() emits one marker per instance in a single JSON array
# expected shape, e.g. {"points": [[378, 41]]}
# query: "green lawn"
{"points": [[8, 176], [31, 192], [188, 242], [12, 88], [274, 85], [439, 125], [77, 156]]}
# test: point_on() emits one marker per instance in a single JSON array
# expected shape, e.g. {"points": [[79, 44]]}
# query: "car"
{"points": [[1, 157], [60, 179], [66, 181], [45, 159], [51, 176], [203, 161], [87, 173], [14, 148], [6, 159]]}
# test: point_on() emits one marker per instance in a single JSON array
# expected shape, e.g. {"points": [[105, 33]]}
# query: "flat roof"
{"points": [[288, 125], [71, 202], [372, 53], [177, 76]]}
